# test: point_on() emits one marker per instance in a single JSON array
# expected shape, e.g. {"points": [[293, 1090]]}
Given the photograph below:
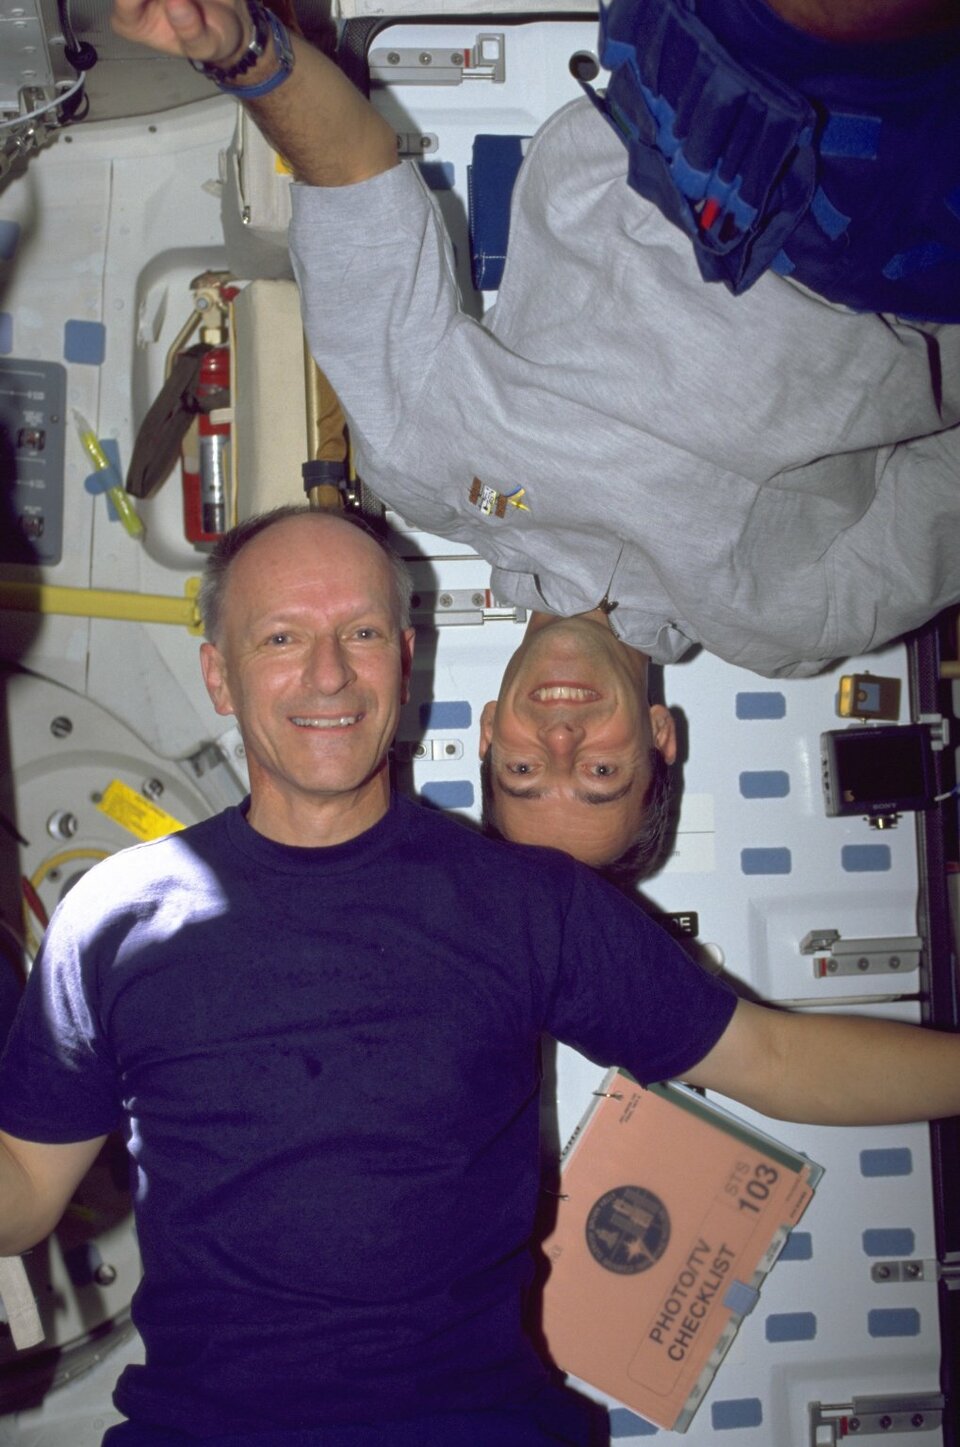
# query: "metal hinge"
{"points": [[440, 65], [832, 1422], [892, 954], [462, 606]]}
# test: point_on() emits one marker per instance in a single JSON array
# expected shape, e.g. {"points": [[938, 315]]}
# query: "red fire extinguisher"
{"points": [[206, 452]]}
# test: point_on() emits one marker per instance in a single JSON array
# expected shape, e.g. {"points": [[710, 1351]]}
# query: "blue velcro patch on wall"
{"points": [[893, 1161], [791, 1326], [799, 1247], [449, 794], [439, 175], [893, 1241], [854, 136], [9, 239], [893, 1321], [628, 1424], [6, 333], [765, 861], [737, 1412], [765, 784], [761, 705], [454, 715], [865, 858], [85, 342]]}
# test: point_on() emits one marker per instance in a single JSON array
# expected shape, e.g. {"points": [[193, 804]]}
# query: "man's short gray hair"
{"points": [[217, 567]]}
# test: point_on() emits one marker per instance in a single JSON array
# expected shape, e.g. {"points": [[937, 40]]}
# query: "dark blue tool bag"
{"points": [[842, 170]]}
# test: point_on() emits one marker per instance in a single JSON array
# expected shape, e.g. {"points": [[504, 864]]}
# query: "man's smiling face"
{"points": [[570, 738], [311, 659]]}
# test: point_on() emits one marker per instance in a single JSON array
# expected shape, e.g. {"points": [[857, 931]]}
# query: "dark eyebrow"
{"points": [[584, 796]]}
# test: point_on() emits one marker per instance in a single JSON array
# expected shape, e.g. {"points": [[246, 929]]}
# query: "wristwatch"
{"points": [[265, 24]]}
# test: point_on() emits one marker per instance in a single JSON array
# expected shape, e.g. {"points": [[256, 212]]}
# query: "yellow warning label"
{"points": [[135, 813]]}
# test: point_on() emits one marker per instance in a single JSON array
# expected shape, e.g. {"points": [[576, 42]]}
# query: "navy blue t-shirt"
{"points": [[327, 1065]]}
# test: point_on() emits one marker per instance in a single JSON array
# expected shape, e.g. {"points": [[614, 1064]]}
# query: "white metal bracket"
{"points": [[440, 751], [833, 1422], [462, 606], [892, 954], [919, 1269], [485, 59]]}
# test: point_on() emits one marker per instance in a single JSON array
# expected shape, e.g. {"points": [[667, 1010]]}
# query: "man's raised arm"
{"points": [[316, 118], [36, 1183], [833, 1069]]}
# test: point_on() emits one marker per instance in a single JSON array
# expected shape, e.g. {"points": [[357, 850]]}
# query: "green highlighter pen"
{"points": [[90, 443]]}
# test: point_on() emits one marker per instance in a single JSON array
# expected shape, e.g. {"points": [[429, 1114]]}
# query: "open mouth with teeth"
{"points": [[564, 693], [343, 722]]}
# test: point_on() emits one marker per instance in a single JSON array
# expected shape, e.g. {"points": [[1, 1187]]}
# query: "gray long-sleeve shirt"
{"points": [[768, 475]]}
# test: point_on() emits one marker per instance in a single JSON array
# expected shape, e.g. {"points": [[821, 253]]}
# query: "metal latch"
{"points": [[920, 1269], [411, 144], [440, 65], [891, 954], [462, 606], [832, 1422], [440, 751]]}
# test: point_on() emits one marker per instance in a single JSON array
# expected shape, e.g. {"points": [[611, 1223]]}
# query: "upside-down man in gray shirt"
{"points": [[654, 460]]}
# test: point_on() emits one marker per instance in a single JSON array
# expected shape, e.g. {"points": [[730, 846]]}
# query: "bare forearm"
{"points": [[20, 1226], [320, 123], [36, 1182], [834, 1069]]}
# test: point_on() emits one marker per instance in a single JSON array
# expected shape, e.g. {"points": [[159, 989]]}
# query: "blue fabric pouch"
{"points": [[725, 154], [842, 170]]}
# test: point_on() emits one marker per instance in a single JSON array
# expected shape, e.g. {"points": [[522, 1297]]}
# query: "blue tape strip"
{"points": [[84, 342], [736, 1413], [893, 1321], [449, 794], [765, 861], [791, 1326], [892, 1161], [889, 1241], [865, 858], [446, 715], [764, 784], [628, 1424], [761, 705]]}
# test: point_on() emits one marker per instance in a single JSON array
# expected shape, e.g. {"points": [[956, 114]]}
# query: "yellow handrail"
{"points": [[105, 603]]}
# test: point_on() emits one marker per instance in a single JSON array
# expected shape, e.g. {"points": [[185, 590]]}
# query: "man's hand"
{"points": [[316, 119], [208, 30]]}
